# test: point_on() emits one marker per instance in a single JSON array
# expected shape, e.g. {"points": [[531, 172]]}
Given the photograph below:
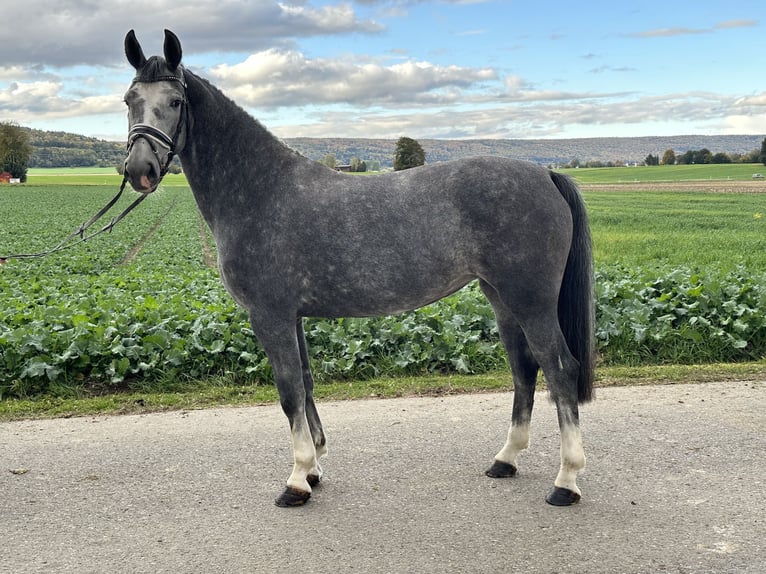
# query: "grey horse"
{"points": [[297, 239]]}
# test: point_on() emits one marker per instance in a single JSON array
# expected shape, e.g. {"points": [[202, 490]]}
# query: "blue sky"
{"points": [[386, 68]]}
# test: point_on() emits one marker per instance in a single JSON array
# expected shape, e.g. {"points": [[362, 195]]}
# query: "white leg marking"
{"points": [[518, 440], [572, 458], [317, 470], [304, 456]]}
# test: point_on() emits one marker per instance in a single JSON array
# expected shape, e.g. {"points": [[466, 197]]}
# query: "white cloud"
{"points": [[516, 89], [684, 31], [756, 101], [742, 124], [735, 24], [669, 32], [274, 78], [522, 119], [29, 96], [44, 100], [16, 73]]}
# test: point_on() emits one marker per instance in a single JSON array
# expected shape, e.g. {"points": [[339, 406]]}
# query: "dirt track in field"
{"points": [[208, 252], [714, 186]]}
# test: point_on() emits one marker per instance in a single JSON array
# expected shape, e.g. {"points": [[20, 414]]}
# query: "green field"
{"points": [[661, 173], [87, 176], [681, 278], [667, 173], [629, 228], [698, 230]]}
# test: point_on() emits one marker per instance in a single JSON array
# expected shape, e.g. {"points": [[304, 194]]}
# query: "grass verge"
{"points": [[221, 392]]}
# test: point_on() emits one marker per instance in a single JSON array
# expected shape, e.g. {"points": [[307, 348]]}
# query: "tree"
{"points": [[753, 156], [329, 160], [408, 154], [763, 151], [669, 157], [652, 160], [721, 157], [15, 150], [703, 156], [575, 163], [357, 165]]}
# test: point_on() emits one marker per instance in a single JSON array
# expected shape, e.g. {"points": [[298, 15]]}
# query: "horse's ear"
{"points": [[133, 51], [172, 50]]}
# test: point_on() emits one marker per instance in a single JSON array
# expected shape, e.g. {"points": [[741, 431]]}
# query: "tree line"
{"points": [[705, 156], [689, 157], [61, 149], [22, 148]]}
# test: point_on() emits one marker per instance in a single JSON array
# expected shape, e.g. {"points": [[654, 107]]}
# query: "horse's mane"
{"points": [[208, 103], [228, 140]]}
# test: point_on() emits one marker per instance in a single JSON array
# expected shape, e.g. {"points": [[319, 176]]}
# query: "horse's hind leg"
{"points": [[524, 368], [561, 371], [536, 313], [315, 425], [280, 342]]}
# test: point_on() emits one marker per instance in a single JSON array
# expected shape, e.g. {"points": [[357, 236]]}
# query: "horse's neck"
{"points": [[229, 158]]}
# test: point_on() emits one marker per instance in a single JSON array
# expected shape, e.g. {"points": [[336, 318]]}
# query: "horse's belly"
{"points": [[373, 299]]}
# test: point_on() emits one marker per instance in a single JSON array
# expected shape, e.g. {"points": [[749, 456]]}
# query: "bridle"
{"points": [[153, 137]]}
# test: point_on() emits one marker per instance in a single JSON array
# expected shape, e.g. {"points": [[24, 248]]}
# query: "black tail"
{"points": [[576, 298]]}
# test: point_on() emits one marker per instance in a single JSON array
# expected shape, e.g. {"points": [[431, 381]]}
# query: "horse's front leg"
{"points": [[312, 415], [281, 345]]}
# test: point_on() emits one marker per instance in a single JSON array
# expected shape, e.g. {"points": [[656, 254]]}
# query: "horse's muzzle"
{"points": [[142, 168]]}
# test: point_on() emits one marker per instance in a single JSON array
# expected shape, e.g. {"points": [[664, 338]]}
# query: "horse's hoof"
{"points": [[313, 480], [562, 497], [500, 469], [292, 497]]}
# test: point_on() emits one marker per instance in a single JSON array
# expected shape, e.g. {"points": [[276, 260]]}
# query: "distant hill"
{"points": [[60, 149], [542, 151]]}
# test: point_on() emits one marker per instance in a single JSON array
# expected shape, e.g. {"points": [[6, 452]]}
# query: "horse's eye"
{"points": [[176, 103]]}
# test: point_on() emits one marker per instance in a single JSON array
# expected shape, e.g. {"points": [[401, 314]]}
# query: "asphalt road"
{"points": [[675, 484]]}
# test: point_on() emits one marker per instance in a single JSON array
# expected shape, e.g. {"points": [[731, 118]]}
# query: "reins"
{"points": [[67, 242]]}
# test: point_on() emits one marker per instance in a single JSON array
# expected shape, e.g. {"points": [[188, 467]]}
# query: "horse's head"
{"points": [[157, 112]]}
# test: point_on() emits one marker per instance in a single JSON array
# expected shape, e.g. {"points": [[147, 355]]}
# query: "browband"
{"points": [[166, 78]]}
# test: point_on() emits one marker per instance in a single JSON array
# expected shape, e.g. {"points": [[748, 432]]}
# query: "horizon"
{"points": [[596, 150], [121, 141], [380, 69]]}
